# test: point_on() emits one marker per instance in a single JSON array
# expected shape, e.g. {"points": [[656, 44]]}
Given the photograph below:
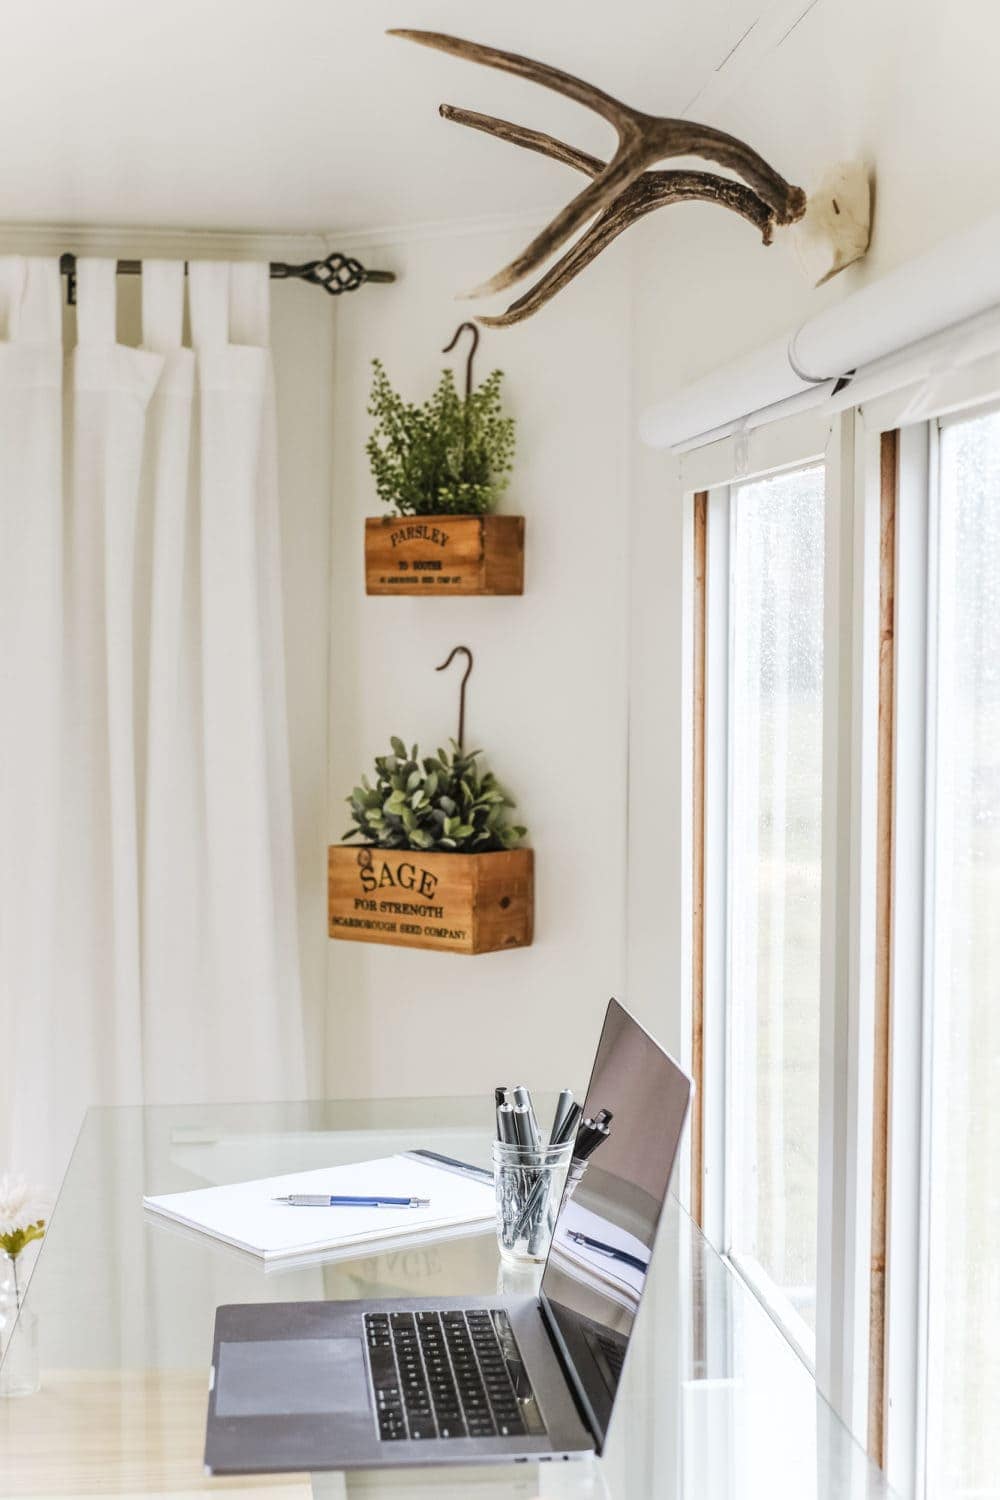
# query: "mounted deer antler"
{"points": [[648, 191], [620, 191]]}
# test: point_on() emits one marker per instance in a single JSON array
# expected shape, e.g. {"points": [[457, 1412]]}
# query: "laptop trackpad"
{"points": [[290, 1377]]}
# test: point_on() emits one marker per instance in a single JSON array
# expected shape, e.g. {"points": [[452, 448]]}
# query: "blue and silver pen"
{"points": [[611, 1251], [343, 1200]]}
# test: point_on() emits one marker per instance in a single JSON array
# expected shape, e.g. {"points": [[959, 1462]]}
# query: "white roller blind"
{"points": [[898, 329]]}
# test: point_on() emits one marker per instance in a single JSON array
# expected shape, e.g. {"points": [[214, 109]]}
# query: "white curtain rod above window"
{"points": [[885, 326]]}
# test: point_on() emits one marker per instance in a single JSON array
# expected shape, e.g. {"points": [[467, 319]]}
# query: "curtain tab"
{"points": [[230, 303], [96, 301], [250, 303], [162, 305], [208, 295]]}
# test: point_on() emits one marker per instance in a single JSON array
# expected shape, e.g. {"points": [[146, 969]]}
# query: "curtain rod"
{"points": [[337, 273]]}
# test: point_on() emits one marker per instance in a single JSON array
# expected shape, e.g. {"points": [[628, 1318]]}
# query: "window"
{"points": [[775, 835], [758, 797], [963, 1271], [845, 907]]}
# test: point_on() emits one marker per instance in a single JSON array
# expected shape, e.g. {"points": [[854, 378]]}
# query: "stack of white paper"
{"points": [[245, 1215]]}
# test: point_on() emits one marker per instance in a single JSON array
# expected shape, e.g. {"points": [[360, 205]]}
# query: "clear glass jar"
{"points": [[19, 1367], [529, 1187]]}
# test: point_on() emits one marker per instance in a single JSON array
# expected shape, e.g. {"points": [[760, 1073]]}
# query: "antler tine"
{"points": [[531, 140], [650, 191], [621, 116]]}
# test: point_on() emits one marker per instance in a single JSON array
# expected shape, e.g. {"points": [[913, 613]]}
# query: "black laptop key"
{"points": [[383, 1368]]}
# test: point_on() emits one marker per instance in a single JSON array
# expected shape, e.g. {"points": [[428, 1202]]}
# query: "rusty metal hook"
{"points": [[461, 692], [472, 350]]}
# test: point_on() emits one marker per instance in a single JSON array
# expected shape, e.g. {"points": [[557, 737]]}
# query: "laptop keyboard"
{"points": [[451, 1374]]}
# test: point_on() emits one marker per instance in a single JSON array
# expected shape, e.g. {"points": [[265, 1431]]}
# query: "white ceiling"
{"points": [[304, 116]]}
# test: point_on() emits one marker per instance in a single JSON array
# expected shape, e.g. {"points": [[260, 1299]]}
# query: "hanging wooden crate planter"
{"points": [[458, 903], [443, 467], [440, 867], [444, 555]]}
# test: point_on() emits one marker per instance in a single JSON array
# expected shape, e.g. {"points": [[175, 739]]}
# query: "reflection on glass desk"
{"points": [[714, 1404]]}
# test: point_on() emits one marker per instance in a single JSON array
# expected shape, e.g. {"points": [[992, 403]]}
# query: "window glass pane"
{"points": [[776, 729], [963, 1419]]}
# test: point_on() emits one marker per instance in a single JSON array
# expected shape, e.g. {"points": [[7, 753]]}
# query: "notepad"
{"points": [[243, 1214], [616, 1279]]}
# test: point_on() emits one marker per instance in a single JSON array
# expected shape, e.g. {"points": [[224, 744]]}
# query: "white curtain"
{"points": [[148, 942]]}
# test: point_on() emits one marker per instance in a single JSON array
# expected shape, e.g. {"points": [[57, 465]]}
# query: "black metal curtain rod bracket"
{"points": [[336, 273]]}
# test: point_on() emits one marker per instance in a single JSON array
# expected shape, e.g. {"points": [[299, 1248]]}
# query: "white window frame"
{"points": [[851, 603]]}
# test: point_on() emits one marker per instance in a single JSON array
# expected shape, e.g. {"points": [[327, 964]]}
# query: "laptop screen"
{"points": [[596, 1271]]}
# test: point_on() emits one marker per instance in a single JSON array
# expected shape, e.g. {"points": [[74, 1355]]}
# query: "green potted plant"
{"points": [[441, 468], [440, 865]]}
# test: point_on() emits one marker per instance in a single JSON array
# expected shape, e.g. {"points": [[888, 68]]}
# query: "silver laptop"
{"points": [[425, 1381]]}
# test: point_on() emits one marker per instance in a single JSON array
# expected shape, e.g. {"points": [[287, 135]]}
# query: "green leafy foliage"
{"points": [[16, 1240], [442, 801], [450, 456]]}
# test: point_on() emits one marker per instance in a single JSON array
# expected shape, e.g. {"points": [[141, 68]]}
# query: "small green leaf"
{"points": [[398, 748]]}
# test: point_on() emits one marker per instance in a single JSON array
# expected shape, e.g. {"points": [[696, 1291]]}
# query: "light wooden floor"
{"points": [[121, 1434]]}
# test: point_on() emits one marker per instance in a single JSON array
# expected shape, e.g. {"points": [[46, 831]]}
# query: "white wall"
{"points": [[909, 86], [547, 698]]}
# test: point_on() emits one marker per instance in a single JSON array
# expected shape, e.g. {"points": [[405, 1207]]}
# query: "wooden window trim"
{"points": [[888, 489]]}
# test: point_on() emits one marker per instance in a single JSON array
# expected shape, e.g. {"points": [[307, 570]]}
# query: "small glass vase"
{"points": [[19, 1366]]}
